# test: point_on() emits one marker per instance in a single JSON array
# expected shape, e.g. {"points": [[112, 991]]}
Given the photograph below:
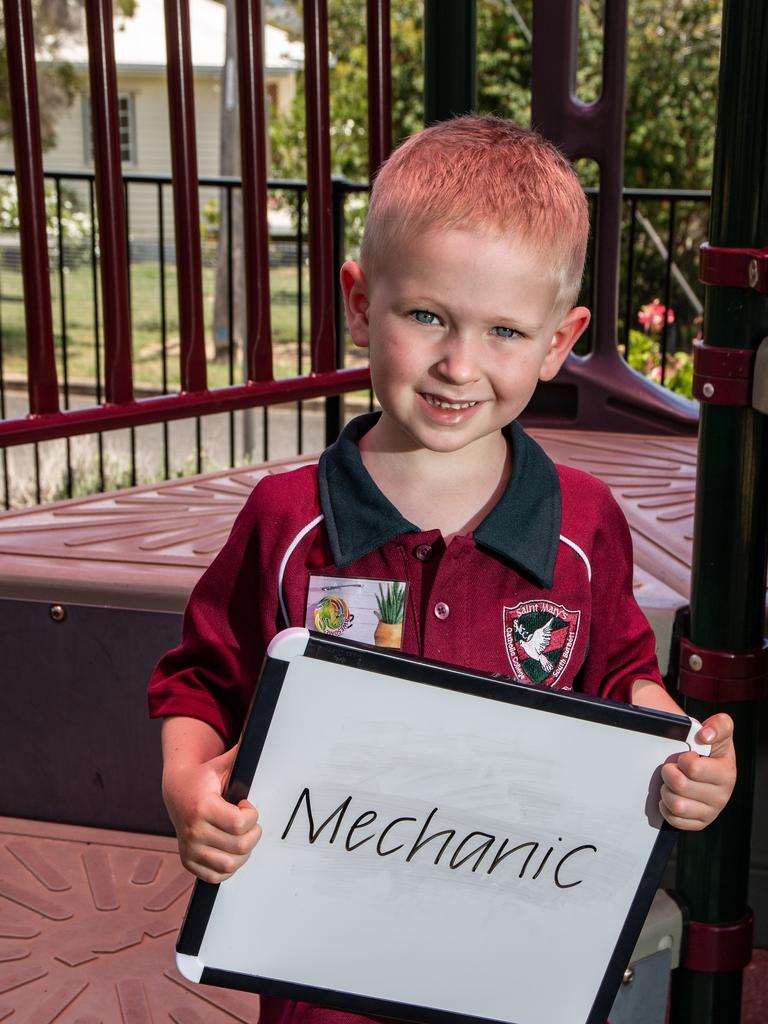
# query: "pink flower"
{"points": [[651, 316]]}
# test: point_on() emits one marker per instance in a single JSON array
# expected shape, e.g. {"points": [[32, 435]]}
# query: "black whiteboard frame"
{"points": [[482, 685]]}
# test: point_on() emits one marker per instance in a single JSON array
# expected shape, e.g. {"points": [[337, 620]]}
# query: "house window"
{"points": [[127, 118]]}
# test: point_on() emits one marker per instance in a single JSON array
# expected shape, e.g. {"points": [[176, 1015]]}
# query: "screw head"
{"points": [[629, 976], [708, 390], [753, 273], [695, 663], [57, 612]]}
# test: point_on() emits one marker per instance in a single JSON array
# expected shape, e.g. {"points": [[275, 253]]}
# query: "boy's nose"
{"points": [[457, 364]]}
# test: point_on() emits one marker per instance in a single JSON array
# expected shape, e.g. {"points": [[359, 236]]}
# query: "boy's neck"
{"points": [[448, 491]]}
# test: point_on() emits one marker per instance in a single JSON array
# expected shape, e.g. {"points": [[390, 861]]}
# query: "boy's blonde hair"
{"points": [[487, 173]]}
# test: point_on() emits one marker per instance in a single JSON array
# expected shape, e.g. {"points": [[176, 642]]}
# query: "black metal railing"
{"points": [[74, 261], [662, 232], [661, 254]]}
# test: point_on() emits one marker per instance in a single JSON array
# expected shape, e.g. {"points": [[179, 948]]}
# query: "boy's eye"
{"points": [[504, 332], [423, 316]]}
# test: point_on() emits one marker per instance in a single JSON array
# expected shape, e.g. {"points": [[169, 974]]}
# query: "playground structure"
{"points": [[101, 768]]}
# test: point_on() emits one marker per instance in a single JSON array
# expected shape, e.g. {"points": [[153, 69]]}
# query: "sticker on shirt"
{"points": [[370, 611], [540, 637]]}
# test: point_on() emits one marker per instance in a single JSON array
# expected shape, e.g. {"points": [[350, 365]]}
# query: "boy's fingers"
{"points": [[689, 824], [688, 768], [212, 866], [699, 777], [235, 820], [225, 844], [718, 732], [692, 802]]}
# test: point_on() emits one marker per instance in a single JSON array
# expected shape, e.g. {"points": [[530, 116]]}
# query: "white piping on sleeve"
{"points": [[288, 552], [580, 553]]}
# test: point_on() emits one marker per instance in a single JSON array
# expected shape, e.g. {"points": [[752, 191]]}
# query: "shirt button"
{"points": [[441, 610], [423, 552]]}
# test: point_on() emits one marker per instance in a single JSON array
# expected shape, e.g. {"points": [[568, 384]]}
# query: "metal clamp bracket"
{"points": [[734, 268], [719, 947], [722, 376], [722, 676]]}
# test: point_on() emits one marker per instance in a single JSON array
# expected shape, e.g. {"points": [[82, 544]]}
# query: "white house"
{"points": [[141, 66]]}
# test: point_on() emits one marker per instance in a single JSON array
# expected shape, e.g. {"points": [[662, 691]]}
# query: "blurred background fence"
{"points": [[660, 315]]}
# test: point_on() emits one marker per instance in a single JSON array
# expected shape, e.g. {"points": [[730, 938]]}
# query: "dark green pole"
{"points": [[729, 547], [450, 44]]}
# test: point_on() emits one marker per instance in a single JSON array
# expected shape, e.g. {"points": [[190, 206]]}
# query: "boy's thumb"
{"points": [[222, 764]]}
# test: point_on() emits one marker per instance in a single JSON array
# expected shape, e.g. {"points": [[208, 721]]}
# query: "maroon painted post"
{"points": [[594, 130], [609, 395], [321, 271], [110, 203], [253, 149], [25, 111], [186, 203], [379, 85]]}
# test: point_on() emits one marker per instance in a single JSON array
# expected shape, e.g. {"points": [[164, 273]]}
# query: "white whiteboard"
{"points": [[524, 906]]}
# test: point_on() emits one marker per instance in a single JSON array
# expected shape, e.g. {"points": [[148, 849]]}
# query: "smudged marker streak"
{"points": [[570, 885], [482, 849], [421, 841], [314, 836], [385, 832], [479, 850], [360, 822]]}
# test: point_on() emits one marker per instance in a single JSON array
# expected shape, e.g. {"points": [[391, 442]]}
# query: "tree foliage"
{"points": [[673, 58], [57, 81], [672, 68]]}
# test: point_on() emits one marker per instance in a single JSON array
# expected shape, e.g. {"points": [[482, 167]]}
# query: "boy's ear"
{"points": [[355, 289], [571, 327]]}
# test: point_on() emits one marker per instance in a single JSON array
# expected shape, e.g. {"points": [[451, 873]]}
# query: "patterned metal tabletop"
{"points": [[148, 545]]}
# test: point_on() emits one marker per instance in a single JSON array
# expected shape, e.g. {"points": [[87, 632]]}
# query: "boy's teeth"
{"points": [[440, 404]]}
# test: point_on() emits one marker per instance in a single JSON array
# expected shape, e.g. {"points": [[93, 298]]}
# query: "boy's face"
{"points": [[460, 326]]}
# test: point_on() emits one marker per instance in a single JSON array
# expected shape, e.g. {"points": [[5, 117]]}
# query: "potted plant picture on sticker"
{"points": [[390, 602]]}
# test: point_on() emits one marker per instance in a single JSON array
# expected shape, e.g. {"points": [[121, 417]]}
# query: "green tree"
{"points": [[673, 60], [348, 91], [57, 81], [672, 68], [504, 59]]}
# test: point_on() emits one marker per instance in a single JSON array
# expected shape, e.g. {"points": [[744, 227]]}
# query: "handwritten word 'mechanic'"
{"points": [[397, 836]]}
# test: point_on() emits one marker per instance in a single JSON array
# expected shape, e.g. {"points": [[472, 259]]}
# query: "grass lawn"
{"points": [[79, 332]]}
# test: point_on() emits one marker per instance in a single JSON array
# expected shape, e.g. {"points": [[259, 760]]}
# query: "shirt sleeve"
{"points": [[622, 646], [211, 675]]}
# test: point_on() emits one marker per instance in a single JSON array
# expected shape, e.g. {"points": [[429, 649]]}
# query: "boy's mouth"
{"points": [[442, 403]]}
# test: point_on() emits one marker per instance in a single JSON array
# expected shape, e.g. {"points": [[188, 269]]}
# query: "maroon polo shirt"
{"points": [[541, 591]]}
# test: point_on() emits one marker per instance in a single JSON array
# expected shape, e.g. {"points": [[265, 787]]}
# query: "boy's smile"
{"points": [[460, 326]]}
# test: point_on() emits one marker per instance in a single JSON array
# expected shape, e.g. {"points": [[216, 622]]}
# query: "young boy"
{"points": [[470, 265]]}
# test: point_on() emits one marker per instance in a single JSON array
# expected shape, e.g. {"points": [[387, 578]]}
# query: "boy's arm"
{"points": [[215, 836], [694, 789]]}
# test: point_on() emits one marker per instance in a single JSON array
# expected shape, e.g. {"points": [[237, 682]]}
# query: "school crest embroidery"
{"points": [[539, 637]]}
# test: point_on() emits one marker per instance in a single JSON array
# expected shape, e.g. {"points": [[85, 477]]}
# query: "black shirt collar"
{"points": [[523, 527]]}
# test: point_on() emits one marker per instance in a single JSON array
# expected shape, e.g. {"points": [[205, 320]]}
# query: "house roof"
{"points": [[140, 40]]}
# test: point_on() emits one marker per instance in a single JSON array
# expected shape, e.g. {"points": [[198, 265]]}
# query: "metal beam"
{"points": [[450, 46], [729, 548]]}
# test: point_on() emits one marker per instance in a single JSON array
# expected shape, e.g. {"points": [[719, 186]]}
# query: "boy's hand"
{"points": [[695, 789], [215, 837]]}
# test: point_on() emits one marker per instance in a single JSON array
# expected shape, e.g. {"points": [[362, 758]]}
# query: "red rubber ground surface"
{"points": [[88, 924]]}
